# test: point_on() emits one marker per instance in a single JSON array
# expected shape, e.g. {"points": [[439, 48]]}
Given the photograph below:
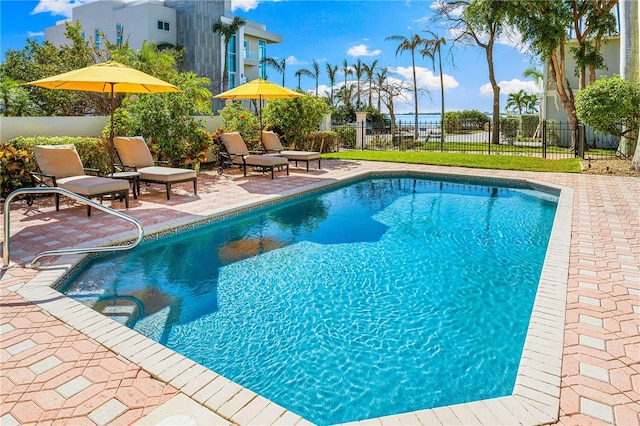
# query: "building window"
{"points": [[232, 65], [97, 39], [164, 26], [119, 35], [262, 56], [246, 49]]}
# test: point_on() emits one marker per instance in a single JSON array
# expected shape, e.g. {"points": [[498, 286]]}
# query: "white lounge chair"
{"points": [[237, 153], [61, 166], [135, 155], [272, 144]]}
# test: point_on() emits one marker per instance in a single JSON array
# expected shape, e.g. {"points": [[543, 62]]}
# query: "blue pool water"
{"points": [[380, 297]]}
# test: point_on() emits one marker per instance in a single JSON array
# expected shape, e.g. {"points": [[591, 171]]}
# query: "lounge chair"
{"points": [[272, 144], [61, 166], [135, 155], [236, 153]]}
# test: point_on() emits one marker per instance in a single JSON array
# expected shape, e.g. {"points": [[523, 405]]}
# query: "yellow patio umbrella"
{"points": [[260, 90], [108, 77]]}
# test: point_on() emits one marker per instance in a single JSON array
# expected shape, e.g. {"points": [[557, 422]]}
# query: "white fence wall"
{"points": [[12, 127]]}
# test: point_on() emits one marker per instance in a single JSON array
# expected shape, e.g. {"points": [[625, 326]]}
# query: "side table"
{"points": [[132, 177]]}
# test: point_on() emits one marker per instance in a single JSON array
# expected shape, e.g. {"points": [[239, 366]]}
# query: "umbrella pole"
{"points": [[260, 119], [112, 133]]}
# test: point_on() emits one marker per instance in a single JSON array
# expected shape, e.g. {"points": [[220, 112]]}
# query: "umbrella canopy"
{"points": [[107, 77], [259, 89]]}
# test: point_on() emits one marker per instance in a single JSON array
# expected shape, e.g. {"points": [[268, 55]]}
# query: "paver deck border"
{"points": [[536, 395]]}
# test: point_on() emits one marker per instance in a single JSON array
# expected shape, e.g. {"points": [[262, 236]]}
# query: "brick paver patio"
{"points": [[52, 373]]}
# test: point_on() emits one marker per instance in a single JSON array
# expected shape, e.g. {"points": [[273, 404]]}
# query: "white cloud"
{"points": [[58, 7], [292, 60], [510, 86], [31, 34], [245, 5], [425, 78], [362, 50]]}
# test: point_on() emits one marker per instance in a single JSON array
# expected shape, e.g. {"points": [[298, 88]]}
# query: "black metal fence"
{"points": [[546, 139]]}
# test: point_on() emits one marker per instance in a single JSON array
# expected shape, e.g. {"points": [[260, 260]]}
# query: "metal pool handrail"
{"points": [[56, 190]]}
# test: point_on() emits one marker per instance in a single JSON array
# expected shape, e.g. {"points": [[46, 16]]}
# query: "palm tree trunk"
{"points": [[495, 132], [629, 63], [415, 97], [442, 97]]}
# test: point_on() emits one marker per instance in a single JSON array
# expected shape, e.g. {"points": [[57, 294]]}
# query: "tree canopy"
{"points": [[612, 106]]}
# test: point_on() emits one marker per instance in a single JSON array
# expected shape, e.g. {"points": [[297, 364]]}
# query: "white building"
{"points": [[184, 23], [550, 103], [137, 21]]}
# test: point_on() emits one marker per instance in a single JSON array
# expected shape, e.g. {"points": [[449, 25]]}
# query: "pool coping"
{"points": [[536, 395]]}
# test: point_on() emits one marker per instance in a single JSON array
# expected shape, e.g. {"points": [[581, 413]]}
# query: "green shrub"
{"points": [[94, 152], [529, 124], [472, 119], [13, 168], [168, 127], [509, 128], [346, 136], [321, 141], [239, 119], [295, 118], [553, 133], [452, 122]]}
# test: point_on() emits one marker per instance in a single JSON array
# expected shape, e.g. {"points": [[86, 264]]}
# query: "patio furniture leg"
{"points": [[168, 188]]}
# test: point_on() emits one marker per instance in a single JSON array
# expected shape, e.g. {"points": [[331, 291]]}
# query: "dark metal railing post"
{"points": [[544, 138], [489, 139], [442, 135], [580, 140]]}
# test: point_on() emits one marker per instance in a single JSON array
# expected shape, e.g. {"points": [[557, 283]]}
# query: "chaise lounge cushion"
{"points": [[132, 152], [265, 161], [236, 147], [234, 144], [272, 143], [300, 155], [166, 174], [90, 186], [59, 160]]}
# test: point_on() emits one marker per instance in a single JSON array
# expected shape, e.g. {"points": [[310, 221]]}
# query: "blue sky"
{"points": [[332, 31]]}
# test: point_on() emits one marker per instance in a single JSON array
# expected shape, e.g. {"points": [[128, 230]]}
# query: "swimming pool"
{"points": [[386, 287]]}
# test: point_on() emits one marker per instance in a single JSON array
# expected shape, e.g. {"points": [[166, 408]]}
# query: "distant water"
{"points": [[425, 117]]}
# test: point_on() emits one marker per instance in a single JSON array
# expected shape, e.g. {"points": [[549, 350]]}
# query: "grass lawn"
{"points": [[480, 161]]}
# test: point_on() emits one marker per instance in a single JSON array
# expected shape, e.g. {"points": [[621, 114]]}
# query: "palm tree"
{"points": [[345, 94], [346, 71], [315, 74], [279, 66], [517, 101], [358, 70], [381, 77], [410, 45], [369, 70], [227, 31], [299, 74], [531, 103], [433, 46], [331, 73], [630, 62], [195, 88]]}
